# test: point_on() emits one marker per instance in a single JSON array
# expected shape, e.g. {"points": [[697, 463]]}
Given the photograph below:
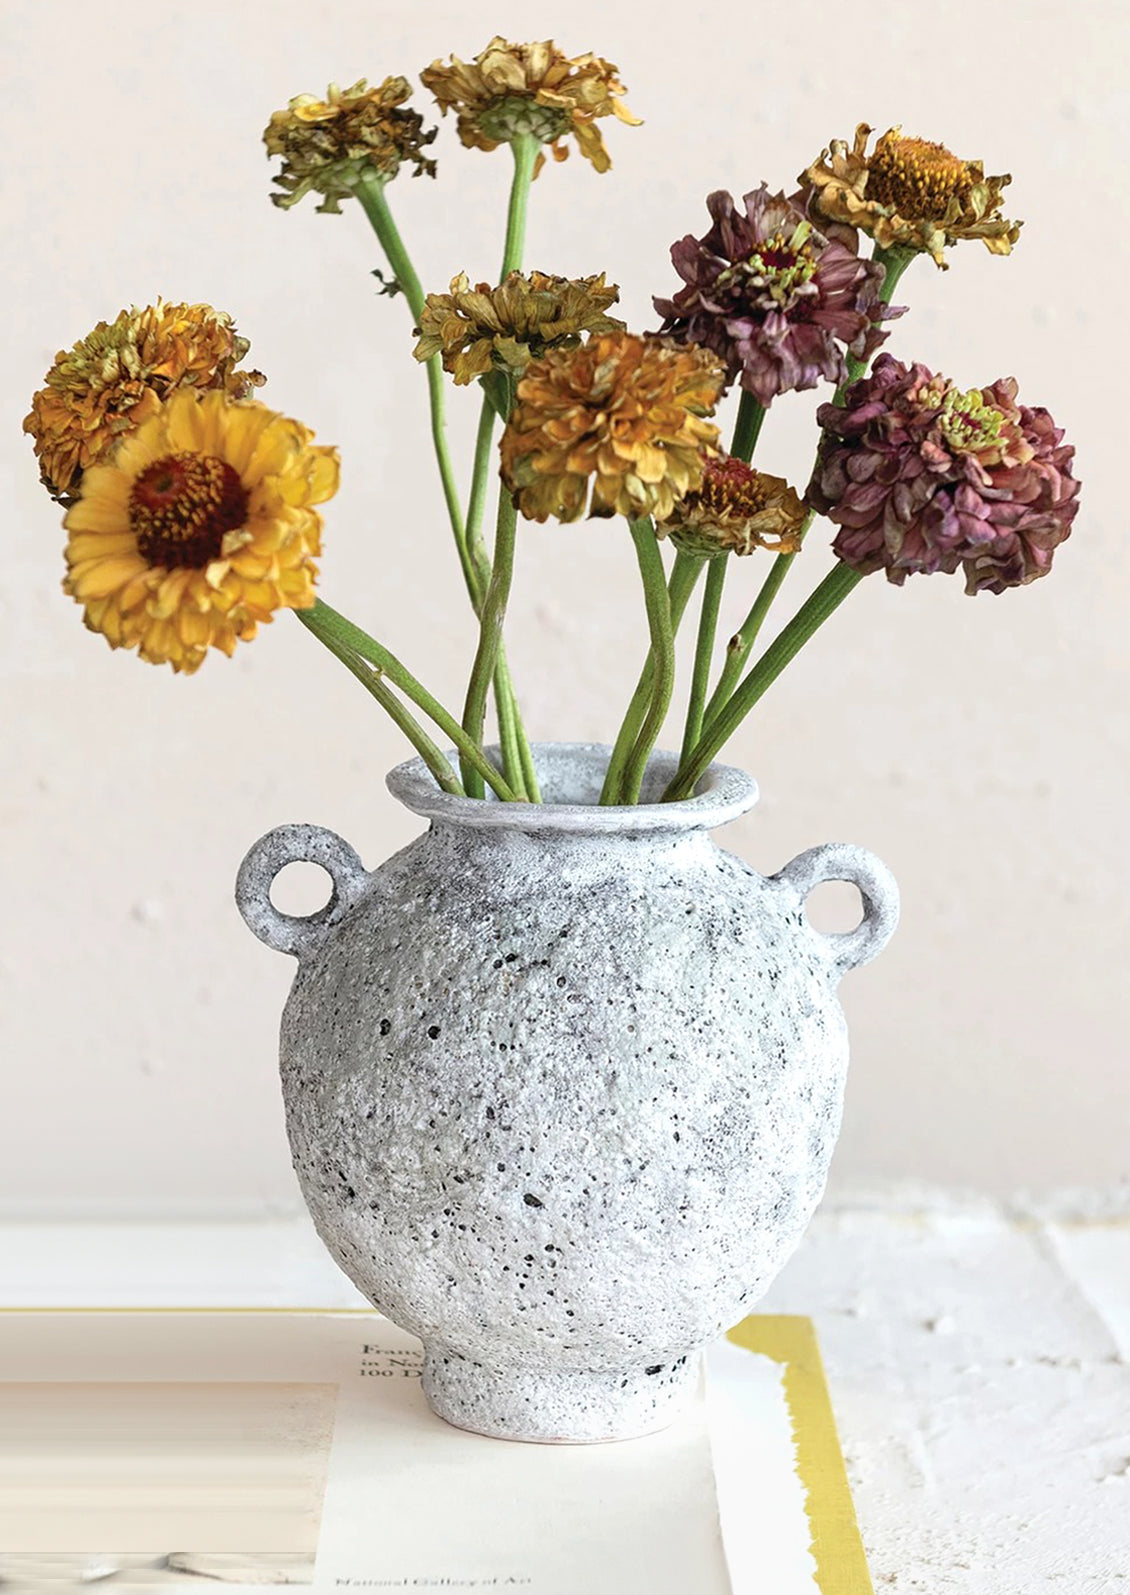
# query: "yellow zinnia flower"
{"points": [[909, 194], [328, 145], [734, 510], [530, 90], [477, 329], [199, 526], [623, 411], [116, 377]]}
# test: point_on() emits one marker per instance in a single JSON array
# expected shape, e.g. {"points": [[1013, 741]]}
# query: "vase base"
{"points": [[557, 1406]]}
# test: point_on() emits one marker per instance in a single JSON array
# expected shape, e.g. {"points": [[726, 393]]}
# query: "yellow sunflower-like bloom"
{"points": [[117, 377], [735, 510], [199, 526], [327, 144], [622, 416], [536, 90], [476, 329], [909, 194]]}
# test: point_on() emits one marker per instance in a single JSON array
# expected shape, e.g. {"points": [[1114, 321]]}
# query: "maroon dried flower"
{"points": [[776, 300], [920, 477]]}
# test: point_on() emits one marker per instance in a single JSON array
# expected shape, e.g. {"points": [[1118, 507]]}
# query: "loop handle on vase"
{"points": [[297, 844], [839, 861]]}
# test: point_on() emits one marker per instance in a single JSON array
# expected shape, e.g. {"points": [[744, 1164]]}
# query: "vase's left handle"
{"points": [[838, 861], [297, 844]]}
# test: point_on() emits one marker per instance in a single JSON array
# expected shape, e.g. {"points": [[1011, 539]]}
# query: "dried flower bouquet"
{"points": [[192, 508]]}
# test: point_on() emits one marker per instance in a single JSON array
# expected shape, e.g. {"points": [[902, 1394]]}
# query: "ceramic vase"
{"points": [[562, 1082]]}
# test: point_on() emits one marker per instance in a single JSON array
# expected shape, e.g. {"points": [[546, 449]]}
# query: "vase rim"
{"points": [[577, 768]]}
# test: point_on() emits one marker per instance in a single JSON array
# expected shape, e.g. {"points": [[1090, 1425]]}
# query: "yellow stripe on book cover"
{"points": [[841, 1567]]}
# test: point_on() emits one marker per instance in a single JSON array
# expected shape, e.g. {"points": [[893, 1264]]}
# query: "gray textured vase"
{"points": [[562, 1083]]}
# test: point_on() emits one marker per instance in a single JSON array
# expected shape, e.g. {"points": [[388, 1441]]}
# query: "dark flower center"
{"points": [[916, 178], [181, 507], [731, 488], [780, 266]]}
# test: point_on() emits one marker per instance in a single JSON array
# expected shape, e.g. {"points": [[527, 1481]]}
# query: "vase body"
{"points": [[562, 1084]]}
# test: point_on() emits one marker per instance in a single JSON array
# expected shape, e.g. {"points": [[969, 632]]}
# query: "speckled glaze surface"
{"points": [[562, 1083]]}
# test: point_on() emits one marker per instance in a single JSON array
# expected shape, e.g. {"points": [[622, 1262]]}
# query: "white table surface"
{"points": [[978, 1358]]}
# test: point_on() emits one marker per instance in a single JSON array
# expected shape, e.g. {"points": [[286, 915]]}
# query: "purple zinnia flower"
{"points": [[920, 477], [779, 302]]}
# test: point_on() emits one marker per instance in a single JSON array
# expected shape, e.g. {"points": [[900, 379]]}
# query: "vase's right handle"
{"points": [[839, 861], [297, 844]]}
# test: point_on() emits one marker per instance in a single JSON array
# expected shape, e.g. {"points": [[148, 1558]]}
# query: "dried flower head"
{"points": [[778, 302], [326, 145], [622, 416], [199, 526], [116, 377], [921, 477], [530, 90], [475, 329], [908, 194], [734, 510]]}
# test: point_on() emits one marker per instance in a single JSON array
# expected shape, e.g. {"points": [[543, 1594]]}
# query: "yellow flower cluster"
{"points": [[734, 510], [476, 329], [117, 377], [909, 194], [517, 90], [326, 145], [616, 427]]}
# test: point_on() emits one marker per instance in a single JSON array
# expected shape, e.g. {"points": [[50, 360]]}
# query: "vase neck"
{"points": [[571, 775]]}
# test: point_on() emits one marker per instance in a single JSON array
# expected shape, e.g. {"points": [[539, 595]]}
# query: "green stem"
{"points": [[371, 192], [526, 757], [747, 430], [476, 504], [337, 633], [508, 732], [812, 614], [751, 414], [894, 262], [526, 150], [517, 760], [490, 636], [473, 556], [704, 649], [372, 679], [684, 574], [740, 646], [662, 632]]}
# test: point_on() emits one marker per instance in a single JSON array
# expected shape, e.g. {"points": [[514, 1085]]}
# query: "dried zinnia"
{"points": [[530, 90], [327, 145], [909, 194], [477, 329], [117, 377], [198, 527], [921, 477], [734, 510], [616, 427], [777, 301]]}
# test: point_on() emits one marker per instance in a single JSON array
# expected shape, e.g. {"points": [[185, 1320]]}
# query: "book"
{"points": [[282, 1446]]}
